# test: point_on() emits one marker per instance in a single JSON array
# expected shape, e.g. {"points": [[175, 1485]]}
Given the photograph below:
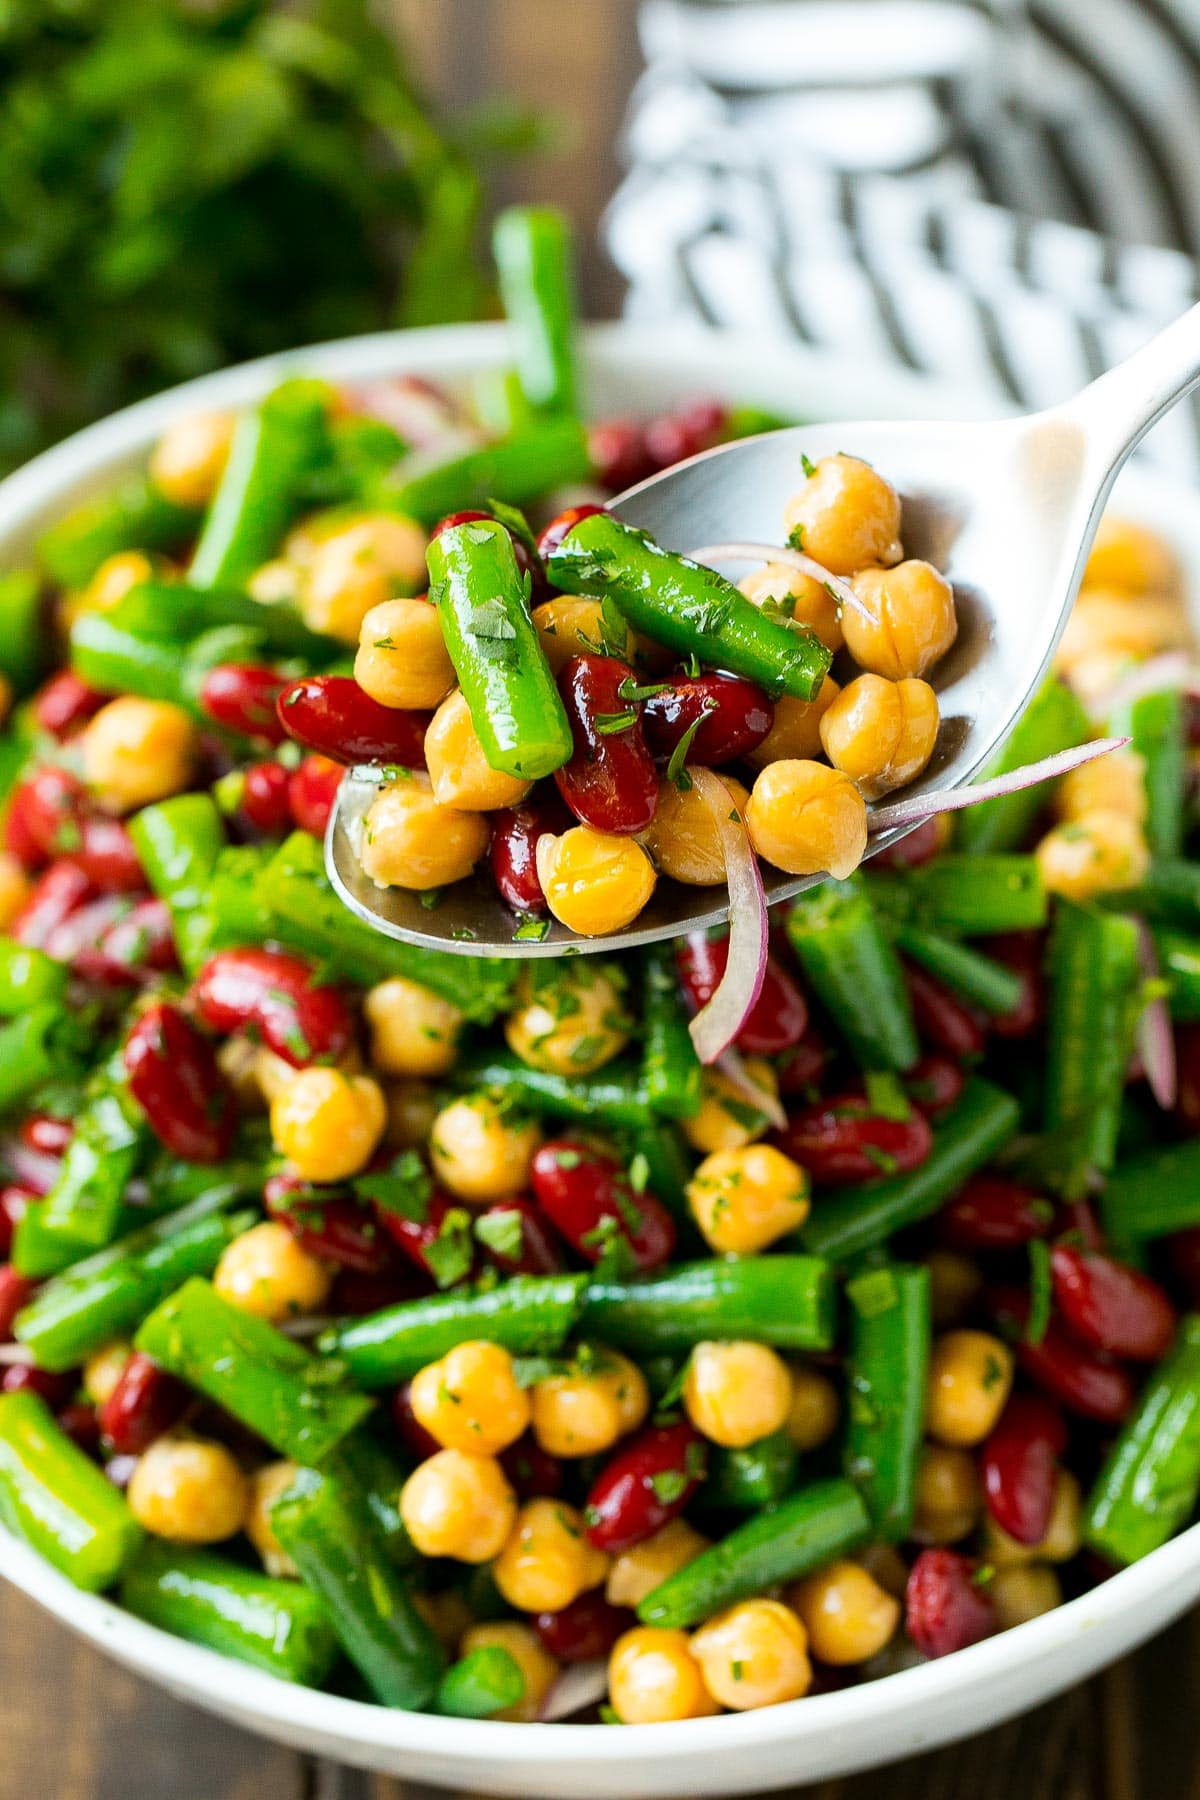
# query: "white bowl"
{"points": [[807, 1740]]}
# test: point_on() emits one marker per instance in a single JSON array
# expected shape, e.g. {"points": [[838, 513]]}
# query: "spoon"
{"points": [[1006, 509]]}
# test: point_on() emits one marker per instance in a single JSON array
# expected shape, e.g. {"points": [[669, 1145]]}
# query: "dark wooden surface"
{"points": [[72, 1725]]}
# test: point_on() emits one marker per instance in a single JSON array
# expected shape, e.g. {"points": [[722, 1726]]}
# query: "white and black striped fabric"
{"points": [[1004, 193]]}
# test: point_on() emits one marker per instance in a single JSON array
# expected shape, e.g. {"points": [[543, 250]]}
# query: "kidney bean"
{"points": [[514, 850], [467, 517], [76, 939], [354, 1293], [1110, 1307], [64, 704], [779, 1017], [16, 1291], [517, 1221], [42, 1131], [799, 1070], [332, 1226], [145, 1403], [1019, 1465], [13, 1201], [300, 1019], [990, 1212], [31, 1169], [552, 535], [1084, 1381], [333, 716], [841, 1141], [137, 946], [1187, 1074], [106, 853], [53, 898], [409, 1428], [944, 1607], [174, 1077], [585, 1630], [1184, 1250], [941, 1018], [732, 717], [619, 457], [312, 792], [266, 796], [415, 1236], [933, 1085], [624, 1507], [81, 1425], [588, 1198], [45, 816], [923, 843], [55, 1390], [696, 426], [532, 1472], [610, 782], [1020, 951], [242, 697]]}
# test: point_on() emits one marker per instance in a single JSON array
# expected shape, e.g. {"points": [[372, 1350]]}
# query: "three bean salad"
{"points": [[500, 1339]]}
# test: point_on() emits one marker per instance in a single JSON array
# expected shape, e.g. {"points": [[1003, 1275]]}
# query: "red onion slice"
{"points": [[15, 1356], [837, 585], [1173, 669], [740, 1079], [1155, 1039], [719, 1021], [582, 1685], [925, 806]]}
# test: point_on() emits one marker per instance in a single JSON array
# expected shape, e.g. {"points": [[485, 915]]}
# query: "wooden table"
{"points": [[73, 1726]]}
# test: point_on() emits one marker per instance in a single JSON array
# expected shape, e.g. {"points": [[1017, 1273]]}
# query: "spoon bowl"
{"points": [[1006, 510]]}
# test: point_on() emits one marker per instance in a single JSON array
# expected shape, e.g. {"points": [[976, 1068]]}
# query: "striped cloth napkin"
{"points": [[1004, 194]]}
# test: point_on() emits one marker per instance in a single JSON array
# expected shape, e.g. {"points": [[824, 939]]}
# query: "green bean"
{"points": [[1153, 1195], [614, 1094], [532, 461], [845, 953], [1093, 969], [327, 1529], [362, 452], [295, 1401], [24, 637], [1158, 729], [115, 660], [804, 1532], [1179, 960], [967, 971], [787, 1301], [744, 1480], [887, 1377], [28, 978], [687, 608], [659, 1149], [44, 1044], [274, 448], [534, 253], [54, 1496], [982, 1121], [178, 842], [531, 1314], [1054, 720], [168, 613], [110, 1293], [494, 646], [670, 1066], [133, 516], [1150, 1481], [483, 1682], [1168, 895], [965, 896], [378, 1474], [83, 1210], [268, 1621]]}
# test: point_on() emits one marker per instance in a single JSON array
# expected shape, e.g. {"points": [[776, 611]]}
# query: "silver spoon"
{"points": [[1006, 509]]}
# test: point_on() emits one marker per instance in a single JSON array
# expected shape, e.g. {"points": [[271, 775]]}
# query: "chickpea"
{"points": [[1098, 854], [1130, 559], [188, 1490], [726, 1119], [568, 1021], [547, 1561], [791, 594], [949, 1499], [470, 1400], [14, 888], [736, 1393], [1062, 1538], [848, 1616], [594, 882], [573, 625], [1024, 1592], [402, 658], [813, 1416], [412, 1108], [1113, 783], [753, 1654], [104, 1368], [683, 837], [458, 766], [638, 1571], [585, 1412], [970, 1378], [266, 1485], [357, 567], [411, 840], [188, 461], [413, 1030], [138, 751], [846, 516], [744, 1199], [536, 1664], [954, 1282], [117, 576], [267, 1273], [886, 1565], [480, 1151], [807, 819], [237, 1059], [275, 581], [907, 622], [328, 1124], [796, 734], [1104, 623], [881, 733], [653, 1677], [458, 1505]]}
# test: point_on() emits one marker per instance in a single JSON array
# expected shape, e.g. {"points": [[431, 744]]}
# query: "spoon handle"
{"points": [[1116, 411]]}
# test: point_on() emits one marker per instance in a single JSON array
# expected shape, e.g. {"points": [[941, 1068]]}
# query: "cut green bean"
{"points": [[1148, 1487], [378, 1474], [1093, 970], [84, 1209], [1179, 961], [108, 657], [1158, 729], [851, 966], [887, 1375], [132, 516], [614, 1094], [800, 1534], [178, 842], [1054, 720], [274, 448], [28, 978], [534, 256], [167, 613], [965, 896], [965, 970], [481, 1683], [1153, 1195], [787, 1301], [274, 1624], [24, 633], [1169, 894], [530, 462], [744, 1480], [55, 1497], [670, 1067], [842, 1224], [296, 1402], [689, 609], [47, 1043]]}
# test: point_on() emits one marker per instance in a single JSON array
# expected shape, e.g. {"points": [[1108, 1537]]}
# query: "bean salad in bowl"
{"points": [[547, 1340]]}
